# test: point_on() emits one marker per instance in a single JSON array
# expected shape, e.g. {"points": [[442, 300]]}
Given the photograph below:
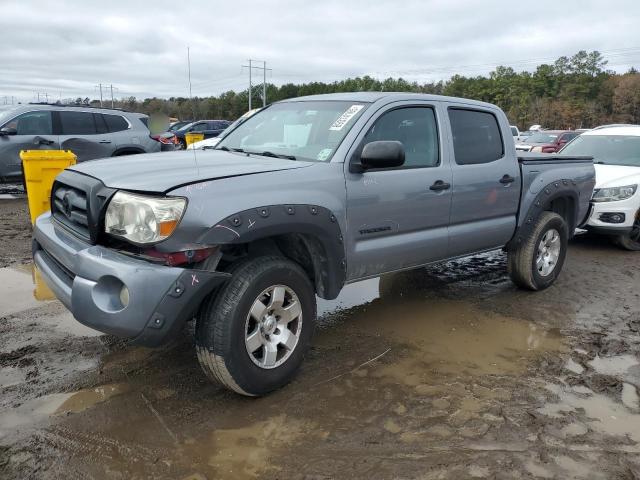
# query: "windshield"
{"points": [[184, 128], [300, 130], [607, 149], [6, 115], [542, 138]]}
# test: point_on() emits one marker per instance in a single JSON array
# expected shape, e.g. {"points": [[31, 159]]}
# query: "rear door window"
{"points": [[200, 127], [476, 136], [32, 123], [101, 125], [77, 123], [116, 123]]}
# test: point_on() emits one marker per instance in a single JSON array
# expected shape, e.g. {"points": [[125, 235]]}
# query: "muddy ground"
{"points": [[446, 372]]}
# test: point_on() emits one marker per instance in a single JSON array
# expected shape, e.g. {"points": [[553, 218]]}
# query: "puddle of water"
{"points": [[38, 410], [26, 289], [352, 295], [615, 366], [41, 291], [18, 290], [83, 399], [602, 413], [452, 337], [244, 452], [448, 336]]}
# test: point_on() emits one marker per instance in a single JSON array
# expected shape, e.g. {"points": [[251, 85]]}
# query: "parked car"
{"points": [[304, 197], [616, 201], [515, 133], [547, 141], [208, 143], [178, 125], [523, 136], [209, 128], [89, 132]]}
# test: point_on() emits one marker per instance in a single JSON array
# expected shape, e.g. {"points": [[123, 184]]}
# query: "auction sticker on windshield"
{"points": [[345, 117]]}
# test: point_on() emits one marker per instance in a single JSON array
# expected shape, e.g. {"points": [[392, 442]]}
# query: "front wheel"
{"points": [[631, 241], [536, 262], [253, 334]]}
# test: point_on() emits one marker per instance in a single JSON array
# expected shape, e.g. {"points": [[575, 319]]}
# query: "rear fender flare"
{"points": [[564, 188]]}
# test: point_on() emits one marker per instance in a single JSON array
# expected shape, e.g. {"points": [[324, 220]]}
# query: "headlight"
{"points": [[613, 194], [142, 219]]}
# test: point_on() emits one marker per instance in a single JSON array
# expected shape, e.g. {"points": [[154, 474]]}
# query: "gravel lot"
{"points": [[446, 372]]}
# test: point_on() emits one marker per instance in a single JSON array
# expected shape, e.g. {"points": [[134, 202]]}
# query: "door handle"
{"points": [[42, 141], [104, 141], [506, 179], [439, 185]]}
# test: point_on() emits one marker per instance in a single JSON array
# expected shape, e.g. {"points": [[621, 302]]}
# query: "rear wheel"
{"points": [[631, 241], [252, 336], [536, 263]]}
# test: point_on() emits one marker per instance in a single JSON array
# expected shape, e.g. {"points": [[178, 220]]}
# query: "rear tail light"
{"points": [[164, 140]]}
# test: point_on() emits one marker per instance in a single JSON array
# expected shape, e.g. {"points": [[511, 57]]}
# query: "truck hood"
{"points": [[161, 172], [616, 175]]}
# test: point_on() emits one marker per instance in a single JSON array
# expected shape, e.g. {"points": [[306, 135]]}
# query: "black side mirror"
{"points": [[8, 131], [382, 154]]}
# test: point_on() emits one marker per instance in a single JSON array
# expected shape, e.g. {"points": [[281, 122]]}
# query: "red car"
{"points": [[547, 141]]}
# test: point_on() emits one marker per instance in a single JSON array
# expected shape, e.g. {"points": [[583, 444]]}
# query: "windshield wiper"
{"points": [[227, 149], [274, 155]]}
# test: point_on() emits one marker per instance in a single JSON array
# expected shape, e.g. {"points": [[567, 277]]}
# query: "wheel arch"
{"points": [[559, 197], [127, 151], [307, 234]]}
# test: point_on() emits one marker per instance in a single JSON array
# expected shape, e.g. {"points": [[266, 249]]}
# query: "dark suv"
{"points": [[89, 132], [210, 129]]}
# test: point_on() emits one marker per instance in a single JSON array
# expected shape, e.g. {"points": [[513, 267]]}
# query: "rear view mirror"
{"points": [[382, 154], [8, 131]]}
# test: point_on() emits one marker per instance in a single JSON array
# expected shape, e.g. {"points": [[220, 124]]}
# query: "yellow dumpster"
{"points": [[40, 169], [193, 137]]}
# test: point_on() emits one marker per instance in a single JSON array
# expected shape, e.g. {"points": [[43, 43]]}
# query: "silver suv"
{"points": [[89, 132]]}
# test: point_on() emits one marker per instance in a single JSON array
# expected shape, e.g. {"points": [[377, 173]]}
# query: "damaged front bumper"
{"points": [[117, 294]]}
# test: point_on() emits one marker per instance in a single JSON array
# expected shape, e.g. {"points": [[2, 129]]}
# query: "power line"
{"points": [[264, 80]]}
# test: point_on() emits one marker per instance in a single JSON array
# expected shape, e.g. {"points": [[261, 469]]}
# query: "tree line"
{"points": [[572, 92]]}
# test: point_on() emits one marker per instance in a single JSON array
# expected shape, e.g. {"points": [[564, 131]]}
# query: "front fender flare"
{"points": [[317, 223]]}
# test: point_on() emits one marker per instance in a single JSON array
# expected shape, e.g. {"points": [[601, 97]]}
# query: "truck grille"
{"points": [[70, 208]]}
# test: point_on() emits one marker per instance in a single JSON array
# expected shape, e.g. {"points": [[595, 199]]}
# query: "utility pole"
{"points": [[111, 87], [264, 80], [193, 110], [250, 86], [44, 94], [100, 87]]}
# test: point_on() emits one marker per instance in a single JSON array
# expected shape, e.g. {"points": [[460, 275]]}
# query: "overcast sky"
{"points": [[66, 48]]}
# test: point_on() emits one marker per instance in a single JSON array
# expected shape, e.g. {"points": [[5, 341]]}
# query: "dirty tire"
{"points": [[221, 326], [522, 259]]}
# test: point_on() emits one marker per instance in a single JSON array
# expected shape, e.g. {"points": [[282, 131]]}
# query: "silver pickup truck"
{"points": [[306, 196]]}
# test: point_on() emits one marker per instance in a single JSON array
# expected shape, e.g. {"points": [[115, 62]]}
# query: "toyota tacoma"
{"points": [[304, 197]]}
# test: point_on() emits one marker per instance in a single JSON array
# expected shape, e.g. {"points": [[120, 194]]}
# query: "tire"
{"points": [[225, 323], [630, 241], [522, 260]]}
